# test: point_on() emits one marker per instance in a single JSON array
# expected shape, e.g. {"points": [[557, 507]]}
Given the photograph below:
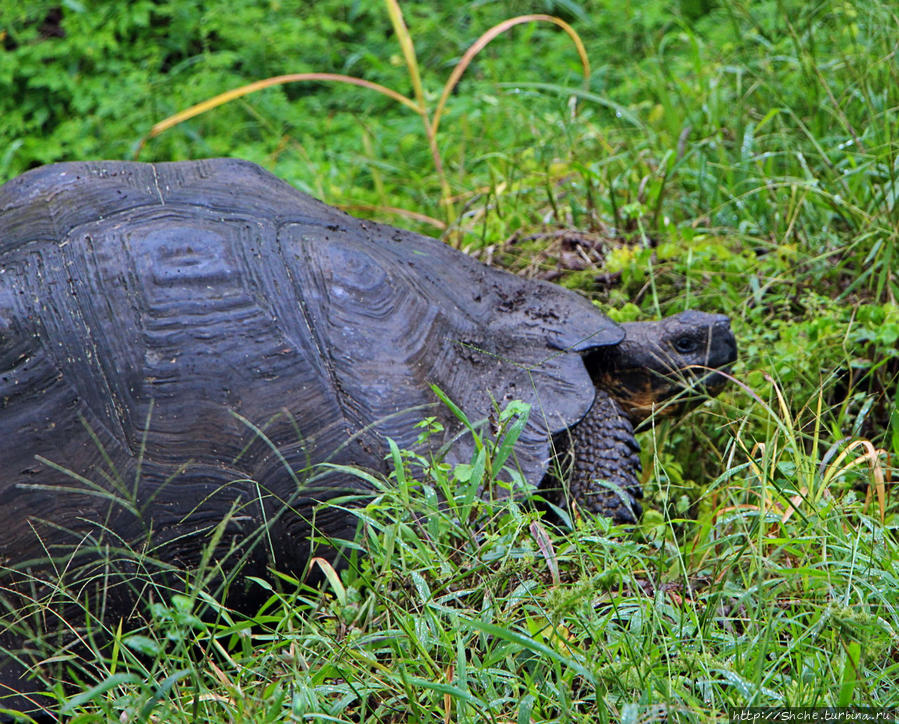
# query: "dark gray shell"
{"points": [[155, 317]]}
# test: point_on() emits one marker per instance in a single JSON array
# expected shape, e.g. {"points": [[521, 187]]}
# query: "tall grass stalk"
{"points": [[418, 104]]}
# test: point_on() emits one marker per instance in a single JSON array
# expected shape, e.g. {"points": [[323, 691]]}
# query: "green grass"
{"points": [[475, 610], [738, 158]]}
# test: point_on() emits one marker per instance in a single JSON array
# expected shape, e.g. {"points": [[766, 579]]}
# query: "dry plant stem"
{"points": [[405, 40], [405, 213], [430, 122], [873, 457], [482, 42], [236, 93]]}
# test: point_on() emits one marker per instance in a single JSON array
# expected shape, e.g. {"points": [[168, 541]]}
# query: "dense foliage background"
{"points": [[738, 157]]}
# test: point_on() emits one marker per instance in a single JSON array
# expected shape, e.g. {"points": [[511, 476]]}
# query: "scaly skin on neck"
{"points": [[656, 363]]}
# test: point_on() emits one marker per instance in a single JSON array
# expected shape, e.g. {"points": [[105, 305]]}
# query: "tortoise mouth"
{"points": [[713, 381], [641, 394]]}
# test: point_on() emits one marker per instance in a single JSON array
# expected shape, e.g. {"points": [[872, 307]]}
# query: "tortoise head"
{"points": [[679, 358]]}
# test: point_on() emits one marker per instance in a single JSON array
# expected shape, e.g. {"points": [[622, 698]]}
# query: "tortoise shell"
{"points": [[180, 340]]}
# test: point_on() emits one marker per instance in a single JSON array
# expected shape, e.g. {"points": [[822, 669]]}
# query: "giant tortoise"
{"points": [[183, 344]]}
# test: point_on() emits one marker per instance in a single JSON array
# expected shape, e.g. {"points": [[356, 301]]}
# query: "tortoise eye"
{"points": [[685, 345]]}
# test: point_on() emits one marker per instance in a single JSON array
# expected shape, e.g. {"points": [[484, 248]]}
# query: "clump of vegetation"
{"points": [[472, 607], [735, 157]]}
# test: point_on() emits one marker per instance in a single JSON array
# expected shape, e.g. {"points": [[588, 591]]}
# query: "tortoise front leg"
{"points": [[603, 459]]}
